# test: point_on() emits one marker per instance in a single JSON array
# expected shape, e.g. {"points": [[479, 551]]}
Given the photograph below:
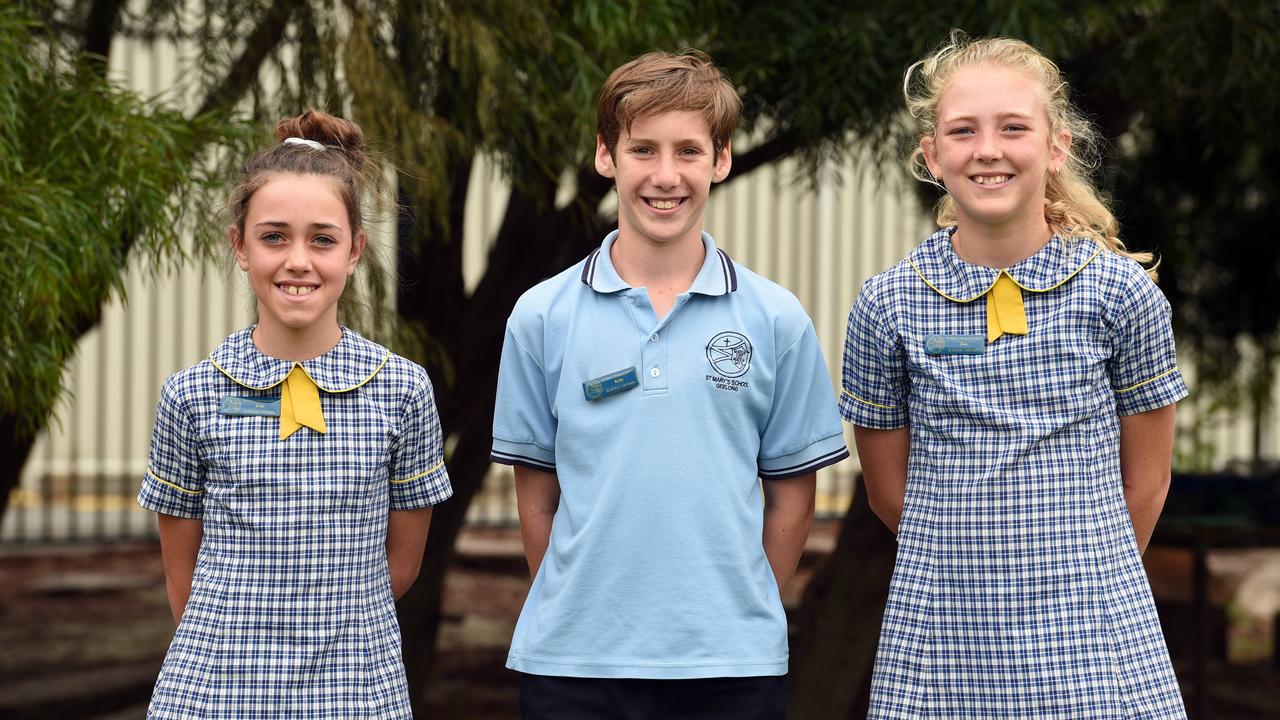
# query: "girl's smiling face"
{"points": [[298, 251], [994, 149]]}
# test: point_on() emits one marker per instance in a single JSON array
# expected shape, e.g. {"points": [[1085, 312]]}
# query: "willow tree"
{"points": [[91, 177]]}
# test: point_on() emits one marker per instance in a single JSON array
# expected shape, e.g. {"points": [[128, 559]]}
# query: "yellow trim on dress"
{"points": [[1147, 382], [868, 402], [179, 488], [434, 468], [1097, 251], [376, 370]]}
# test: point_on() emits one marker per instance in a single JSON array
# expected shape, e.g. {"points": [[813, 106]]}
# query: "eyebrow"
{"points": [[283, 224], [682, 141], [1002, 116]]}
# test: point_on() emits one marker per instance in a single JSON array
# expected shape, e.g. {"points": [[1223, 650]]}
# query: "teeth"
{"points": [[664, 204], [298, 290], [990, 179]]}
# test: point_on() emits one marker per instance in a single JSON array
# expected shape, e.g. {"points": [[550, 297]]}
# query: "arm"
{"points": [[406, 540], [788, 515], [537, 496], [883, 454], [179, 545], [1146, 454]]}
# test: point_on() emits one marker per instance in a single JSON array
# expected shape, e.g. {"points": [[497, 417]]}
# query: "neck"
{"points": [[1000, 246], [662, 267], [297, 344]]}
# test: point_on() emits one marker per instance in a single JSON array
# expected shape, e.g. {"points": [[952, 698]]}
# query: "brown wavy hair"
{"points": [[660, 82], [343, 159]]}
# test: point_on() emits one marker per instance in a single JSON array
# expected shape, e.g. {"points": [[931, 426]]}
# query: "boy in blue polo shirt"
{"points": [[643, 395]]}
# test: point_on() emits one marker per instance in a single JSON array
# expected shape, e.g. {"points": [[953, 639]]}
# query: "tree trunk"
{"points": [[835, 645], [17, 447]]}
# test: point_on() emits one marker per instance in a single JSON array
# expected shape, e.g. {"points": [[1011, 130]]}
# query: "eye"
{"points": [[640, 150], [324, 240], [273, 238], [691, 151], [960, 130], [1015, 127]]}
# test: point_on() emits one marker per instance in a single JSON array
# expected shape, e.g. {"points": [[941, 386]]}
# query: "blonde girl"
{"points": [[1012, 386]]}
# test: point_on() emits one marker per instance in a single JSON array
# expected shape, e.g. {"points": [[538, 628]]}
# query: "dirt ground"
{"points": [[84, 629]]}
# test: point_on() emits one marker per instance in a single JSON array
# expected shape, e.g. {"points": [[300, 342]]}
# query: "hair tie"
{"points": [[303, 141]]}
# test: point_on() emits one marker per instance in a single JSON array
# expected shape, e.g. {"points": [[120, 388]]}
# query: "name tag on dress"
{"points": [[955, 344], [611, 384], [250, 406]]}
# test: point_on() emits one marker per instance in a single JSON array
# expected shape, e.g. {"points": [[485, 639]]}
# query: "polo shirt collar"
{"points": [[348, 365], [938, 265], [717, 276]]}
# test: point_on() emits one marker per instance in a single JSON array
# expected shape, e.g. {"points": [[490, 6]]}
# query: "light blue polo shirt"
{"points": [[656, 567]]}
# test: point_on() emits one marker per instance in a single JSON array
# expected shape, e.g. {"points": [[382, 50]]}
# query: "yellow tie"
{"points": [[1005, 313], [299, 403]]}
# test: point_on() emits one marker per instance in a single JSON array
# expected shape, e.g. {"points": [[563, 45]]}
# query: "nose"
{"points": [[665, 174], [988, 147], [297, 258]]}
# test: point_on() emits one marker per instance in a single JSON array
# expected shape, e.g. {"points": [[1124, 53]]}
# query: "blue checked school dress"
{"points": [[1019, 591], [291, 613]]}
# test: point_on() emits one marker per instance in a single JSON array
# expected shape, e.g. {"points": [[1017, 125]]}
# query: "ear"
{"points": [[237, 246], [722, 160], [1059, 150], [357, 247], [604, 159], [929, 151]]}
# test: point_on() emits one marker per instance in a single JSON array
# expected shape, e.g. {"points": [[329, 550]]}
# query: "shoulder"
{"points": [[543, 298], [1123, 284], [771, 301]]}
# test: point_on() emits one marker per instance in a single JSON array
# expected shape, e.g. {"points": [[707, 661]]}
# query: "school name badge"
{"points": [[250, 406], [611, 384], [955, 344]]}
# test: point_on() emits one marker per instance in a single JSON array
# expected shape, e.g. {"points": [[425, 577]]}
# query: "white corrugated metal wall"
{"points": [[821, 243]]}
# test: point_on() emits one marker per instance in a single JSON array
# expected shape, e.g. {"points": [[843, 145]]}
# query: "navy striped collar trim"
{"points": [[346, 366], [718, 275], [936, 263]]}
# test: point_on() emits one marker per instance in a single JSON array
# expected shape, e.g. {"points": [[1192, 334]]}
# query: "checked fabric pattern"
{"points": [[1018, 591], [291, 612]]}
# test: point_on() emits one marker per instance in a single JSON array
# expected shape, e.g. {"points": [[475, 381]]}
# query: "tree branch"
{"points": [[769, 151], [99, 31], [259, 44]]}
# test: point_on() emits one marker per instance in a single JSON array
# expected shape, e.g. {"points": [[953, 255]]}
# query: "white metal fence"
{"points": [[821, 243]]}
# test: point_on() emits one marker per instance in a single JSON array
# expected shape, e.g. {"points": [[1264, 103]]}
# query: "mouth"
{"points": [[297, 290], [664, 203], [990, 180]]}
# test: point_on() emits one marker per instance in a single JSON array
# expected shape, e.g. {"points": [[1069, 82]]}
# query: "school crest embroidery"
{"points": [[729, 354]]}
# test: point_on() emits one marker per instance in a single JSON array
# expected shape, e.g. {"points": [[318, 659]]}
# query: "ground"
{"points": [[84, 630]]}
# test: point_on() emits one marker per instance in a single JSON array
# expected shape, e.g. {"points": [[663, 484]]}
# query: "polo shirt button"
{"points": [[654, 337], [654, 372]]}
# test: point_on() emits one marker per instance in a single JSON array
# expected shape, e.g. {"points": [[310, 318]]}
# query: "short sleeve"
{"points": [[418, 475], [524, 429], [803, 433], [1143, 368], [174, 482], [873, 376]]}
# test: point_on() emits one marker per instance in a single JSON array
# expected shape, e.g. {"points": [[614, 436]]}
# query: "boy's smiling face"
{"points": [[663, 168]]}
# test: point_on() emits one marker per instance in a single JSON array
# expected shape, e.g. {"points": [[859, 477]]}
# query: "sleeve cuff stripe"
{"points": [[434, 468], [830, 458], [1147, 382], [510, 459], [179, 488], [868, 402]]}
